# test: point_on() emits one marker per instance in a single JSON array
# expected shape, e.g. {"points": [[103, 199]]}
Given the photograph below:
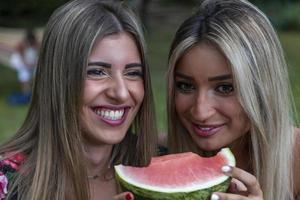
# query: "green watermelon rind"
{"points": [[145, 194], [141, 193]]}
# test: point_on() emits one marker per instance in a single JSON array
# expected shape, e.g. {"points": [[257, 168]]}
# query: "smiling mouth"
{"points": [[109, 114], [206, 130]]}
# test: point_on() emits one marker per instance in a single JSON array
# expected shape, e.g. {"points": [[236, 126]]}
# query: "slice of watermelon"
{"points": [[177, 176]]}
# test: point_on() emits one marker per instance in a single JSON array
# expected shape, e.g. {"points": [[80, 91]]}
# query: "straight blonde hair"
{"points": [[247, 39], [51, 136]]}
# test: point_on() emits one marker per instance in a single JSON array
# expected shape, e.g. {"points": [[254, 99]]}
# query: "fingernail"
{"points": [[214, 197], [226, 169], [128, 196]]}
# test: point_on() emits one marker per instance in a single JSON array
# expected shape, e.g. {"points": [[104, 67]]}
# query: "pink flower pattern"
{"points": [[3, 186], [8, 167], [14, 161]]}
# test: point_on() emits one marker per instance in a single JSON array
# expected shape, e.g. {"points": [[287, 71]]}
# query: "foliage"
{"points": [[20, 13], [285, 15], [289, 17]]}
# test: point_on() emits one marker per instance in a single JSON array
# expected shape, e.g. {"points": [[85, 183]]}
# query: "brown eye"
{"points": [[225, 89], [134, 73], [96, 73], [184, 87]]}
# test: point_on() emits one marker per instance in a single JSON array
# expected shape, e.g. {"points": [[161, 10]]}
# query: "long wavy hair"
{"points": [[247, 39], [51, 136]]}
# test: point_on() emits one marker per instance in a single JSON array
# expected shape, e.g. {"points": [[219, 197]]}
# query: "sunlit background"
{"points": [[160, 19]]}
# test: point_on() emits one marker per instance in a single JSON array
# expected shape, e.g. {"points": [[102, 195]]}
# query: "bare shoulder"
{"points": [[296, 172]]}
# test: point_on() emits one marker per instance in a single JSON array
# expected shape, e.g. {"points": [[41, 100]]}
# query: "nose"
{"points": [[118, 90], [203, 107]]}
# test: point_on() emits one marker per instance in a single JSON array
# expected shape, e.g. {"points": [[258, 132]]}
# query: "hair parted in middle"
{"points": [[246, 38], [51, 135], [68, 41]]}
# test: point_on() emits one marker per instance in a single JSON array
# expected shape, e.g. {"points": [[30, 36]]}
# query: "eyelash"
{"points": [[184, 87], [95, 72], [134, 73], [98, 73], [225, 89]]}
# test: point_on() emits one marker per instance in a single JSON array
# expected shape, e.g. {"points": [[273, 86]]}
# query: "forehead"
{"points": [[203, 59], [120, 47]]}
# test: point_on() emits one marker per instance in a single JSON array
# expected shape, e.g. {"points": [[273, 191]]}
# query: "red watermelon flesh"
{"points": [[172, 171], [177, 176]]}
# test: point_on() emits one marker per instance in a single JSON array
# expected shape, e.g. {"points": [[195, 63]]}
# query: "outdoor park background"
{"points": [[160, 18]]}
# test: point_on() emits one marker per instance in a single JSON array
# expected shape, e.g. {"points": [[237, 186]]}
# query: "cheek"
{"points": [[83, 119], [182, 103], [137, 92], [233, 109], [91, 89], [244, 122], [87, 91]]}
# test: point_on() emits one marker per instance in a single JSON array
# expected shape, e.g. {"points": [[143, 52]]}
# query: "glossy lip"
{"points": [[206, 130], [108, 121]]}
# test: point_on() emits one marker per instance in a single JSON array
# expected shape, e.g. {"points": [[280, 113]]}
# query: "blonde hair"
{"points": [[247, 39], [51, 135]]}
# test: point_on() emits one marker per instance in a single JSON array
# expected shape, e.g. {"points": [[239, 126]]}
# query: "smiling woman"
{"points": [[113, 90], [204, 90], [228, 87], [91, 108]]}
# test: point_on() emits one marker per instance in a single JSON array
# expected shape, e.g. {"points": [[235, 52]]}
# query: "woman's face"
{"points": [[113, 89], [205, 99]]}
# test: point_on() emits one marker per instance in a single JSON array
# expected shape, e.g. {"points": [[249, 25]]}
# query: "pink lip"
{"points": [[111, 107], [206, 130], [112, 122]]}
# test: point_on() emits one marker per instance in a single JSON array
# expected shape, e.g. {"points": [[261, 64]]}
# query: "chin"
{"points": [[114, 141], [210, 147]]}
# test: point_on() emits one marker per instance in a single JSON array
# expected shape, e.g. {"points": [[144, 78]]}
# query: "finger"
{"points": [[234, 189], [246, 178], [124, 196], [236, 186], [226, 196]]}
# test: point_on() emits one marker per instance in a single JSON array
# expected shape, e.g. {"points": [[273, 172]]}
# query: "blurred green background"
{"points": [[160, 19]]}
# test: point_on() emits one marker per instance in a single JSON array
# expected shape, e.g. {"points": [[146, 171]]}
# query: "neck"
{"points": [[241, 151], [98, 157]]}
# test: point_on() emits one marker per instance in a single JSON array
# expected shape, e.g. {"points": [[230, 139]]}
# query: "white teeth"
{"points": [[110, 114], [205, 128], [106, 114]]}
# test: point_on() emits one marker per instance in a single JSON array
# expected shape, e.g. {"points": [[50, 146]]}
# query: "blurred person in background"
{"points": [[24, 60]]}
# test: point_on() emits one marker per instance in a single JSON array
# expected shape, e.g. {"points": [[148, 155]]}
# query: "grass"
{"points": [[291, 43], [11, 118]]}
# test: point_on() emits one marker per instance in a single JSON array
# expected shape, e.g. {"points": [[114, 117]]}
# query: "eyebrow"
{"points": [[99, 63], [133, 65], [220, 78], [107, 65], [215, 78], [182, 75]]}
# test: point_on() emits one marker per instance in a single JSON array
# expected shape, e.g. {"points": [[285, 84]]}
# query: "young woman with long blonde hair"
{"points": [[228, 87]]}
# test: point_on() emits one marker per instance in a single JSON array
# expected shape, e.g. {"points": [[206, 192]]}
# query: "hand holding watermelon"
{"points": [[243, 186]]}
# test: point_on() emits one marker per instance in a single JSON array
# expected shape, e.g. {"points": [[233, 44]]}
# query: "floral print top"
{"points": [[8, 167]]}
